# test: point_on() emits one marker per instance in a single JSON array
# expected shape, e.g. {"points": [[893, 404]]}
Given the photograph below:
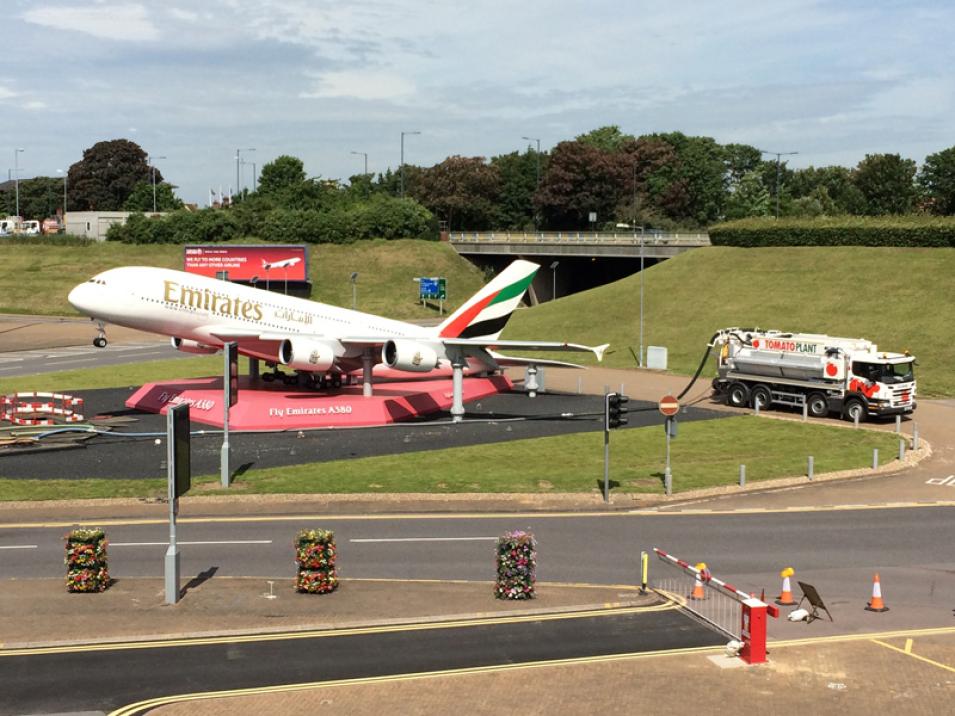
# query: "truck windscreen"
{"points": [[887, 373]]}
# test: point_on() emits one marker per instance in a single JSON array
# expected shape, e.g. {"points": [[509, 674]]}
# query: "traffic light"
{"points": [[615, 412]]}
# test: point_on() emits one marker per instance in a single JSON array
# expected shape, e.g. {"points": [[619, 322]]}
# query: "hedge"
{"points": [[905, 231]]}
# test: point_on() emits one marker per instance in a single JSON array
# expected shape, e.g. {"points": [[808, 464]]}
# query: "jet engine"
{"points": [[306, 355], [187, 346], [410, 356]]}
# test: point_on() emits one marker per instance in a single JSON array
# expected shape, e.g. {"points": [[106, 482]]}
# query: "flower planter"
{"points": [[516, 566], [315, 556], [86, 569]]}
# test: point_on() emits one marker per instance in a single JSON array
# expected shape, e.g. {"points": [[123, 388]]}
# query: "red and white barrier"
{"points": [[753, 612], [23, 409]]}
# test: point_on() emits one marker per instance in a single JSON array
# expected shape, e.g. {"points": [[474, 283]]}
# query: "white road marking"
{"points": [[57, 362], [942, 481], [166, 544], [426, 539], [18, 546]]}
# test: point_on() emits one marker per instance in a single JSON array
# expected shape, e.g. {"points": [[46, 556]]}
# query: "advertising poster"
{"points": [[243, 263]]}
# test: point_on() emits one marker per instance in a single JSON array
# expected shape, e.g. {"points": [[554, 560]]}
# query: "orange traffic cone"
{"points": [[698, 594], [876, 605], [785, 598]]}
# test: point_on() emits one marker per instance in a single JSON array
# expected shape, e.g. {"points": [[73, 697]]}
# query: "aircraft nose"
{"points": [[80, 298]]}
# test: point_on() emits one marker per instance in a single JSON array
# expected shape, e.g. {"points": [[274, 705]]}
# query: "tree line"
{"points": [[664, 180]]}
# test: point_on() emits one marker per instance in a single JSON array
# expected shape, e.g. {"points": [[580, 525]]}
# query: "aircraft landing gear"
{"points": [[100, 340]]}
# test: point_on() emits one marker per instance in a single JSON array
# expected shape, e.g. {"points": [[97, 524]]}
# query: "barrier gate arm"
{"points": [[753, 610]]}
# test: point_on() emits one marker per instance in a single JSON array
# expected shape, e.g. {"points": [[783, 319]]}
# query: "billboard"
{"points": [[243, 263]]}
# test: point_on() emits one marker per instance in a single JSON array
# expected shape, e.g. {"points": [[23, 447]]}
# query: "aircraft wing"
{"points": [[526, 345]]}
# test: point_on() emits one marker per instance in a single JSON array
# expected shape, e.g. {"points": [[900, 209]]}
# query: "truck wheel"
{"points": [[855, 408], [738, 395], [817, 405], [761, 395]]}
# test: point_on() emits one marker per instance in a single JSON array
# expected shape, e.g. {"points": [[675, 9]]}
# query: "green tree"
{"points": [[106, 176], [749, 198], [518, 173], [937, 181], [282, 173], [40, 198], [741, 160], [844, 195], [142, 198], [698, 182], [887, 183], [462, 191], [608, 138]]}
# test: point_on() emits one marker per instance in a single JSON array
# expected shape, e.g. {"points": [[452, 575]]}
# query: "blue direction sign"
{"points": [[433, 288]]}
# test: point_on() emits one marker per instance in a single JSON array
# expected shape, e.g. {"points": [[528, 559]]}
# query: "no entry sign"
{"points": [[669, 406]]}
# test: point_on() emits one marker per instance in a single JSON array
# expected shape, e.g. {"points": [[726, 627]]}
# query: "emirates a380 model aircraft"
{"points": [[314, 339]]}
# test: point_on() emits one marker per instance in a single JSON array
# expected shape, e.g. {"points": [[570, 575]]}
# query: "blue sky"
{"points": [[194, 81]]}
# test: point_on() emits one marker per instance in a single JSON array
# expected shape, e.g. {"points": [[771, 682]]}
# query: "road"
{"points": [[837, 551], [110, 678]]}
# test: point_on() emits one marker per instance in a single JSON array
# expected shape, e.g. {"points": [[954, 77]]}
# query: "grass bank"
{"points": [[899, 298], [37, 278], [706, 454]]}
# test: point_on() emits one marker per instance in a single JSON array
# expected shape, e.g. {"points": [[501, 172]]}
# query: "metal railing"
{"points": [[717, 609], [581, 237]]}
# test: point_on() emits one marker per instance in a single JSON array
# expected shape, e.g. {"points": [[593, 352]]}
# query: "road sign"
{"points": [[433, 287], [669, 406]]}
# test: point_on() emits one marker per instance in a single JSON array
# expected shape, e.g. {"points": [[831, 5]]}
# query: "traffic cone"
{"points": [[876, 605], [785, 598], [698, 594]]}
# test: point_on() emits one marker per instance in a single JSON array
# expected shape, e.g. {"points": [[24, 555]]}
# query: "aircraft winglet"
{"points": [[600, 350]]}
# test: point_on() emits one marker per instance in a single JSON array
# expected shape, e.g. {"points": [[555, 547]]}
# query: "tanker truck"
{"points": [[850, 377]]}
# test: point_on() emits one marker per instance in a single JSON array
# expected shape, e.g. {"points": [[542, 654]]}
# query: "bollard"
{"points": [[668, 482], [809, 469], [580, 385], [901, 449], [805, 411], [742, 475], [898, 424], [622, 389], [915, 436], [756, 407], [875, 458], [644, 567], [855, 420]]}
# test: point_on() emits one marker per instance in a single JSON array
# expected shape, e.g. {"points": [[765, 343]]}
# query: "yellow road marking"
{"points": [[326, 517], [914, 656], [153, 703], [324, 633], [908, 646], [898, 634]]}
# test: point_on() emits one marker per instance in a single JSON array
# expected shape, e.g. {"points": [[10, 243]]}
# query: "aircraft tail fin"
{"points": [[485, 314]]}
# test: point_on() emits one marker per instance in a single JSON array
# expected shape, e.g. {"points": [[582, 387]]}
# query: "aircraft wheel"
{"points": [[336, 381], [99, 342], [268, 377]]}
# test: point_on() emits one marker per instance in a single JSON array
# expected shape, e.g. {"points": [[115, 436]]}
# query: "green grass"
{"points": [[899, 298], [37, 278], [706, 454]]}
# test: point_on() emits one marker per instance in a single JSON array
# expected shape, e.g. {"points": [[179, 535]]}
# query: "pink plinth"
{"points": [[275, 406]]}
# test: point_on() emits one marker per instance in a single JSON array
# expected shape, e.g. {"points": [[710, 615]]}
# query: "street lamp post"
{"points": [[778, 155], [365, 155], [152, 168], [535, 139], [238, 161], [634, 227], [354, 290], [66, 177], [401, 191], [553, 267], [16, 177]]}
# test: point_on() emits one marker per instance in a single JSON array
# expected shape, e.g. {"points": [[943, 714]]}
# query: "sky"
{"points": [[194, 81]]}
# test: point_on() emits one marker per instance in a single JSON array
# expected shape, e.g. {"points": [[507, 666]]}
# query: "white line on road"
{"points": [[166, 544], [57, 361], [18, 546], [427, 539]]}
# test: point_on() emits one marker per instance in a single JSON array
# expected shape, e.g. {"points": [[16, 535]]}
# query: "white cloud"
{"points": [[34, 104], [7, 93], [125, 23], [361, 84], [184, 15]]}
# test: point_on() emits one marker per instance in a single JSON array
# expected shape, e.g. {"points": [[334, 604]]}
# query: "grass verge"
{"points": [[706, 454], [112, 376]]}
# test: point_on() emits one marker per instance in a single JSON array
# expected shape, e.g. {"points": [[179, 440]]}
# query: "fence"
{"points": [[580, 237]]}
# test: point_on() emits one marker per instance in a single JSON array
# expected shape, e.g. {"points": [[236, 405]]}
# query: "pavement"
{"points": [[913, 671]]}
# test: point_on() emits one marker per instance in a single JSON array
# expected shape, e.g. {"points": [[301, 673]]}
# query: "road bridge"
{"points": [[584, 259]]}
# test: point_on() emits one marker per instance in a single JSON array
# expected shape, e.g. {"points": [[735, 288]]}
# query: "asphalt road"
{"points": [[498, 418], [105, 679], [837, 551], [48, 360]]}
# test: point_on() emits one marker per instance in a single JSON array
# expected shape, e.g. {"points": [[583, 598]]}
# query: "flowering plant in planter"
{"points": [[86, 568], [315, 555], [516, 566]]}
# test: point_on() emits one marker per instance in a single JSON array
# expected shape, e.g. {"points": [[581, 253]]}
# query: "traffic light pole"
{"points": [[606, 466]]}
